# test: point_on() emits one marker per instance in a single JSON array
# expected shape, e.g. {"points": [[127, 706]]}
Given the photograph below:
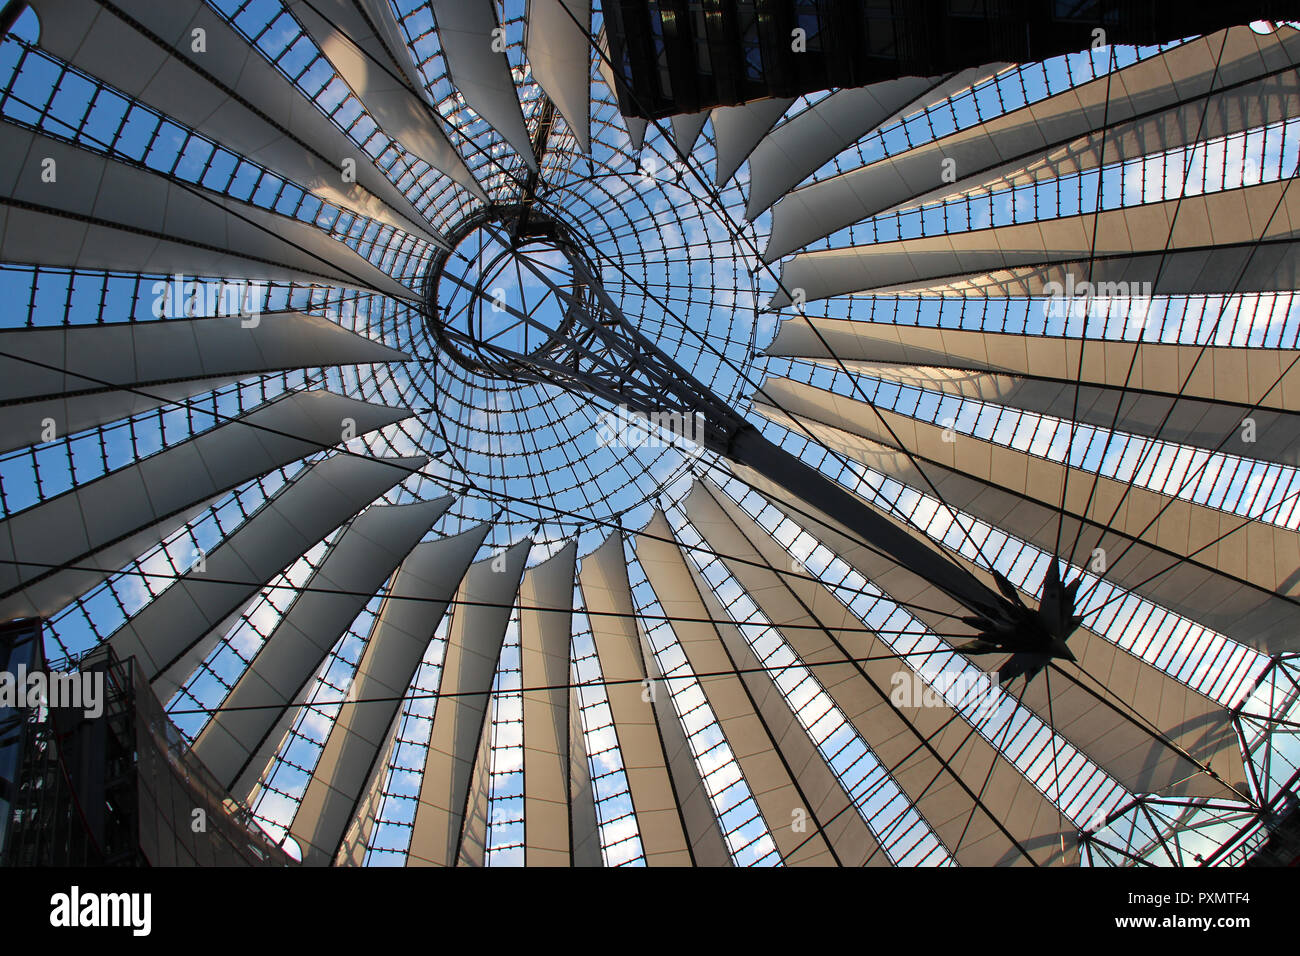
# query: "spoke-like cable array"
{"points": [[524, 266]]}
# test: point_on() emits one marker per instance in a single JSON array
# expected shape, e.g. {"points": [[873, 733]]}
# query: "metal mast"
{"points": [[596, 351]]}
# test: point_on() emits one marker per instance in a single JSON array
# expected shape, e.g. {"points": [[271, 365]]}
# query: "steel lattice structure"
{"points": [[902, 475]]}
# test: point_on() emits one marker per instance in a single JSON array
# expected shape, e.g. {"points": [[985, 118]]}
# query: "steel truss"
{"points": [[1151, 830]]}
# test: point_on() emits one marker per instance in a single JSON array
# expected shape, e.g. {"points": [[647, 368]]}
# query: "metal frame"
{"points": [[1156, 829], [596, 351]]}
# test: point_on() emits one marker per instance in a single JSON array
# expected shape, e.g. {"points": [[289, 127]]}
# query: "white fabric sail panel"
{"points": [[687, 128], [944, 88], [1213, 426], [60, 585], [476, 633], [361, 59], [43, 363], [558, 48], [229, 93], [1163, 91], [1110, 705], [481, 74], [357, 25], [1195, 395], [1247, 106], [665, 840], [1272, 266], [472, 850], [769, 782], [738, 129], [787, 777], [833, 808], [169, 681], [406, 622], [249, 782], [104, 214], [798, 147], [248, 786], [163, 362], [356, 839], [355, 566], [545, 628], [104, 523], [1138, 760], [381, 16], [635, 125], [22, 424], [976, 802], [1231, 375], [583, 824], [708, 847], [1211, 240], [1231, 574], [167, 634]]}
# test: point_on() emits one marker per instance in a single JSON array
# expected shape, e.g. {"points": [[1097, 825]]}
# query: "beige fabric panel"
{"points": [[68, 374], [363, 61], [174, 632], [827, 635], [786, 775], [1243, 376], [941, 89], [585, 829], [708, 847], [687, 128], [608, 597], [795, 149], [352, 848], [468, 667], [1139, 761], [1243, 585], [1181, 393], [1272, 266], [1129, 247], [1209, 425], [404, 626], [381, 16], [43, 363], [106, 522], [268, 119], [843, 825], [1250, 105], [481, 74], [249, 784], [998, 152], [472, 850], [544, 661], [21, 424], [120, 217], [770, 783], [559, 52], [356, 565], [1200, 729], [738, 129]]}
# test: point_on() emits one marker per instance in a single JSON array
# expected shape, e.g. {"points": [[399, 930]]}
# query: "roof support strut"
{"points": [[601, 354]]}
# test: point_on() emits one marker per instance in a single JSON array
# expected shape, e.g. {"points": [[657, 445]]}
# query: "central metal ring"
{"points": [[507, 298]]}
